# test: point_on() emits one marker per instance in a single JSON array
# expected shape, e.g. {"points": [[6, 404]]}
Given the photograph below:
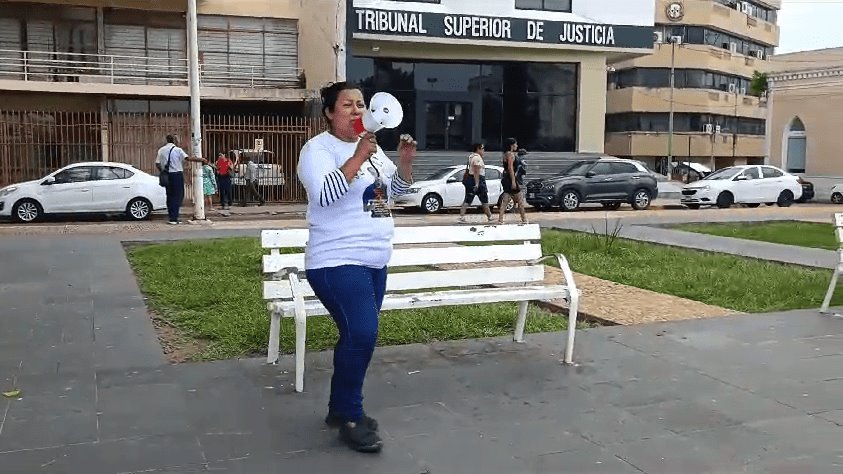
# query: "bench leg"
{"points": [[301, 334], [274, 338], [830, 293], [521, 321], [572, 325]]}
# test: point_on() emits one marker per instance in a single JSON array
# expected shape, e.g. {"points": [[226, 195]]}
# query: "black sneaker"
{"points": [[335, 421], [360, 437]]}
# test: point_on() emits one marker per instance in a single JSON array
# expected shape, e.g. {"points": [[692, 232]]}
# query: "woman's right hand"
{"points": [[366, 146]]}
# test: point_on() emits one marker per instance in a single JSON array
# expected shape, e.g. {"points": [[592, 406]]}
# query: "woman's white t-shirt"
{"points": [[345, 228]]}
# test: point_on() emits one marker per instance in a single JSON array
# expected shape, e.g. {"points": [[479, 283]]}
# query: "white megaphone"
{"points": [[384, 111]]}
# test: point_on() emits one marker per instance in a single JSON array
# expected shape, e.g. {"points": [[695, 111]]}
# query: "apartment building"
{"points": [[715, 47], [480, 71], [108, 79], [805, 107]]}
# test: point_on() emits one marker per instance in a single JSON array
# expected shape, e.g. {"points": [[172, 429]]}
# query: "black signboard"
{"points": [[520, 30]]}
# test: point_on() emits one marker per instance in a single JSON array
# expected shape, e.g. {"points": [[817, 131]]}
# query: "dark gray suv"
{"points": [[609, 181]]}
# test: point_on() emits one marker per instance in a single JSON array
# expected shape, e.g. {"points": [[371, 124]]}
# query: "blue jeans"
{"points": [[224, 183], [353, 295], [175, 195]]}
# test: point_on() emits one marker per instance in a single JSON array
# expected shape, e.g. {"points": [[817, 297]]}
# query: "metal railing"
{"points": [[45, 66]]}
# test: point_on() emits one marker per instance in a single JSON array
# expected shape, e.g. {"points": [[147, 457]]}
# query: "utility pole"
{"points": [[735, 131], [195, 110], [674, 40]]}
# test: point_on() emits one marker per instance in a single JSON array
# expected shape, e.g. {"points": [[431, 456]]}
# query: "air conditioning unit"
{"points": [[732, 87], [759, 54], [708, 128], [743, 90], [658, 37], [676, 39], [733, 48], [746, 7], [717, 129]]}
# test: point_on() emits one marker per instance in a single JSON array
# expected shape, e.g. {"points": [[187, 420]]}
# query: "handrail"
{"points": [[123, 69]]}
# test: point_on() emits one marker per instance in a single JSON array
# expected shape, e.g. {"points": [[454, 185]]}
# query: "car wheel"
{"points": [[27, 210], [785, 198], [725, 200], [139, 209], [752, 205], [431, 203], [837, 198], [693, 206], [641, 199], [611, 206], [570, 200]]}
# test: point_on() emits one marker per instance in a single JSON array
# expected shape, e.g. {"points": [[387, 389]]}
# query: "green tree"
{"points": [[758, 84]]}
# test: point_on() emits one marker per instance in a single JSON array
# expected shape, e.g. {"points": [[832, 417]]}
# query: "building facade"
{"points": [[805, 106], [469, 72], [715, 47], [108, 79]]}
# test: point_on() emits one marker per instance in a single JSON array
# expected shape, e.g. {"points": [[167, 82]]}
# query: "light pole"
{"points": [[674, 40], [735, 132], [195, 111]]}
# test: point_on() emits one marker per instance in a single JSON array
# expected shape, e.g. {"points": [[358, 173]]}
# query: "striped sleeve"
{"points": [[399, 186], [334, 187]]}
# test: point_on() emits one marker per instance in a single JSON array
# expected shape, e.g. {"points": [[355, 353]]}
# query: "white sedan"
{"points": [[750, 185], [94, 187], [444, 189]]}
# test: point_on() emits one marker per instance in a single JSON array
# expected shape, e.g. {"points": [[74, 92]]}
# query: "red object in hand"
{"points": [[358, 126]]}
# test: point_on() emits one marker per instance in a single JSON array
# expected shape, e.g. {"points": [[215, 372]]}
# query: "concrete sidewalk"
{"points": [[748, 394]]}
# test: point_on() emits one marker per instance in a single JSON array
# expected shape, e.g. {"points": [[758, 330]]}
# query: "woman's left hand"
{"points": [[407, 148]]}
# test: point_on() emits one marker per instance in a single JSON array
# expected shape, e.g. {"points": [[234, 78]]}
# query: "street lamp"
{"points": [[674, 41], [195, 112]]}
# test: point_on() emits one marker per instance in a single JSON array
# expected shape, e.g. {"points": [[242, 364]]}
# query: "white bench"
{"points": [[838, 232], [500, 272]]}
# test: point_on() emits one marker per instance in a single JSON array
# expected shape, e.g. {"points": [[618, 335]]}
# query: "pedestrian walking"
{"points": [[349, 180], [170, 161], [512, 180], [474, 180]]}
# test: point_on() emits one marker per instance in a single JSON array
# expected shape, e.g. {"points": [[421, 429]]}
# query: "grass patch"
{"points": [[211, 290], [728, 281], [802, 234]]}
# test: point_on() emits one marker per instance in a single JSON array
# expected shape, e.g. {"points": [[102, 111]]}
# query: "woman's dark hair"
{"points": [[477, 146], [507, 144], [331, 93]]}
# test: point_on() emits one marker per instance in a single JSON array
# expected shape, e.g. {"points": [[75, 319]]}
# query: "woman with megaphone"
{"points": [[349, 181]]}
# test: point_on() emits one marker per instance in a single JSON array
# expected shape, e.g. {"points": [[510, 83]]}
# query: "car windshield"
{"points": [[440, 174], [725, 173]]}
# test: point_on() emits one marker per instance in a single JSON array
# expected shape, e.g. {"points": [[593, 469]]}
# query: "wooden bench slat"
{"points": [[441, 298], [427, 256], [297, 238], [275, 290]]}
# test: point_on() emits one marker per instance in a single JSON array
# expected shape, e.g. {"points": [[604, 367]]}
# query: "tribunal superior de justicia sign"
{"points": [[521, 30]]}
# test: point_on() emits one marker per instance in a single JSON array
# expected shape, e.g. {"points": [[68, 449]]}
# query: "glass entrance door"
{"points": [[448, 125]]}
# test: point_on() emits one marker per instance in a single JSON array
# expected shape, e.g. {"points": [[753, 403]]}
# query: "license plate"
{"points": [[531, 195]]}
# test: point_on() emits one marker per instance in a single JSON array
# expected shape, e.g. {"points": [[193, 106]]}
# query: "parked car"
{"points": [[609, 181], [807, 190], [750, 185], [444, 189], [91, 188], [837, 194]]}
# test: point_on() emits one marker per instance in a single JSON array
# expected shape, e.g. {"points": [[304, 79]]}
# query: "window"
{"points": [[623, 168], [602, 169], [770, 172], [751, 173], [548, 5], [105, 173], [712, 37], [682, 122], [756, 10], [492, 173], [74, 175]]}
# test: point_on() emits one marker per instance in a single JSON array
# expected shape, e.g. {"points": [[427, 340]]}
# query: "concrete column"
{"points": [[100, 31], [591, 129], [105, 136]]}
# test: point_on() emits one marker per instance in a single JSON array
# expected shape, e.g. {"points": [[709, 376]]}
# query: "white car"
{"points": [[93, 187], [750, 185], [444, 189]]}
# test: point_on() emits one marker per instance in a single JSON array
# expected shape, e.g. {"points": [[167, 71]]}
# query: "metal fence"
{"points": [[33, 144]]}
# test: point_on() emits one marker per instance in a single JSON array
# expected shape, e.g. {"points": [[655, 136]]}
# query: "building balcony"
{"points": [[709, 101], [722, 17], [37, 71], [654, 144], [699, 56]]}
